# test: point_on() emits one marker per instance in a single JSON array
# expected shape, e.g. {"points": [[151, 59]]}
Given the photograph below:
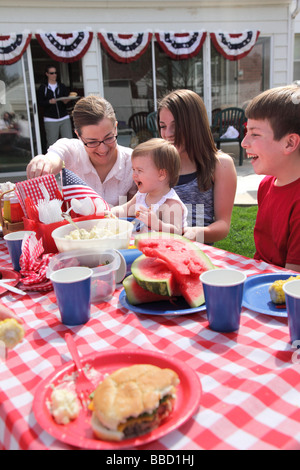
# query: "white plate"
{"points": [[67, 98]]}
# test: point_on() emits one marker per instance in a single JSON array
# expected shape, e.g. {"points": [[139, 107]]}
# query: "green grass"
{"points": [[240, 238]]}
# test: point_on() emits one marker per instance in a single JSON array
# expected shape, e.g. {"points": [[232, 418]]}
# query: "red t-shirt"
{"points": [[277, 227]]}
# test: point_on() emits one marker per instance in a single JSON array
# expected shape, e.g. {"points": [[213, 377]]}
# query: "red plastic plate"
{"points": [[9, 274], [78, 433]]}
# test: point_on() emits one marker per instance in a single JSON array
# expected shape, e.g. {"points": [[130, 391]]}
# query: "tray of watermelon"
{"points": [[164, 280]]}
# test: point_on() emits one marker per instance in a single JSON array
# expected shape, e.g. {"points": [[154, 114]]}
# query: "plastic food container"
{"points": [[12, 210], [104, 264], [121, 229]]}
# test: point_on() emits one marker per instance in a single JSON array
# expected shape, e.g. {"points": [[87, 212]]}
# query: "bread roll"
{"points": [[133, 401]]}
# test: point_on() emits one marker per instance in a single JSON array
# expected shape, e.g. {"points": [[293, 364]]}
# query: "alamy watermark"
{"points": [[195, 213]]}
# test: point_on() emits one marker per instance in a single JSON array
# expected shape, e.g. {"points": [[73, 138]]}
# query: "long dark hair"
{"points": [[192, 130]]}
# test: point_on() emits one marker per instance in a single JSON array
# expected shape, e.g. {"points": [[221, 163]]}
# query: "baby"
{"points": [[156, 165]]}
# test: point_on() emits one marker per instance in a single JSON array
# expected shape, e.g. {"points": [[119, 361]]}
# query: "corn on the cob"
{"points": [[276, 290], [11, 332]]}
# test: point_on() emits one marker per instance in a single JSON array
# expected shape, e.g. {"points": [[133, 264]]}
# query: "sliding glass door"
{"points": [[19, 134]]}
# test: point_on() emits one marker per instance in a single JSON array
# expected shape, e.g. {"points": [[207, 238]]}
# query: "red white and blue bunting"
{"points": [[181, 45], [65, 47], [234, 46], [12, 47], [125, 47]]}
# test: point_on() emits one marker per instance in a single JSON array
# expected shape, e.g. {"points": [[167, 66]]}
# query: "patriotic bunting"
{"points": [[125, 47], [234, 46], [68, 47], [12, 47], [181, 45]]}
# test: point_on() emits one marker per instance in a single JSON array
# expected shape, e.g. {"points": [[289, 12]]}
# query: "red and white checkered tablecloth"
{"points": [[250, 379]]}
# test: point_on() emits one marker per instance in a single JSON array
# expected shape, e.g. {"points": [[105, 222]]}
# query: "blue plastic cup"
{"points": [[223, 291], [127, 257], [72, 287], [292, 300], [14, 242]]}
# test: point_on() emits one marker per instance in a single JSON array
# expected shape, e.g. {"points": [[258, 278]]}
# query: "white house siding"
{"points": [[272, 18]]}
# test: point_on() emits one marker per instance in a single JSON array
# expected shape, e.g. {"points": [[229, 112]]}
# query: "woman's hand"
{"points": [[194, 233], [43, 165]]}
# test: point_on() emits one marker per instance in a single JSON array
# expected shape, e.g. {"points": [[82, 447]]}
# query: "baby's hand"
{"points": [[148, 217], [142, 214]]}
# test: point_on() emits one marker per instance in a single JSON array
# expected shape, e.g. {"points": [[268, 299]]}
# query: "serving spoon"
{"points": [[69, 219]]}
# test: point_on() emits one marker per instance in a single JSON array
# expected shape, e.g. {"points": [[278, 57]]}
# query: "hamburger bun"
{"points": [[133, 401], [73, 93]]}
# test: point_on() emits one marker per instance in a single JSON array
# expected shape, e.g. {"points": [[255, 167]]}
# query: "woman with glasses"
{"points": [[95, 156], [57, 121]]}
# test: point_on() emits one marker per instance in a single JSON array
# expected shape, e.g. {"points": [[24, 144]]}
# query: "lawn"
{"points": [[240, 238]]}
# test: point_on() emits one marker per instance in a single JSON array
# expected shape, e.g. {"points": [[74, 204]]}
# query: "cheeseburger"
{"points": [[133, 401]]}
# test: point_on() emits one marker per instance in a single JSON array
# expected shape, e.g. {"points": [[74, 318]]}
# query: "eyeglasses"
{"points": [[96, 143], [52, 73]]}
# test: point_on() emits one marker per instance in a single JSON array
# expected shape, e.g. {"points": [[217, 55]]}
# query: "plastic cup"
{"points": [[292, 300], [223, 291], [72, 287], [14, 245], [127, 257]]}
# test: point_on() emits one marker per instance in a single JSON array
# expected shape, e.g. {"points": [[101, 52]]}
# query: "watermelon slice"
{"points": [[184, 259], [154, 275], [137, 295]]}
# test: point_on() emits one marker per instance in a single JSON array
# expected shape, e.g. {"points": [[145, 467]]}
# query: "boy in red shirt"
{"points": [[273, 143]]}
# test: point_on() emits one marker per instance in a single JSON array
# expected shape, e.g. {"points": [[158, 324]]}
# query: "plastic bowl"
{"points": [[121, 228], [104, 264]]}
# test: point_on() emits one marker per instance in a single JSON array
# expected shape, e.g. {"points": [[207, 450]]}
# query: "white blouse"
{"points": [[118, 183]]}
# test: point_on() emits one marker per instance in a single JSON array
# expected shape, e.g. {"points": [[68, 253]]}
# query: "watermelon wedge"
{"points": [[154, 275], [184, 259], [137, 295]]}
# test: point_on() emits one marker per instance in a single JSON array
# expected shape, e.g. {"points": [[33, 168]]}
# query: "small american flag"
{"points": [[74, 187]]}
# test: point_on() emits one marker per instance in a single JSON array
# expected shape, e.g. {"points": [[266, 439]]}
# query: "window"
{"points": [[129, 88], [176, 74], [297, 58], [16, 131], [68, 73], [234, 83]]}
